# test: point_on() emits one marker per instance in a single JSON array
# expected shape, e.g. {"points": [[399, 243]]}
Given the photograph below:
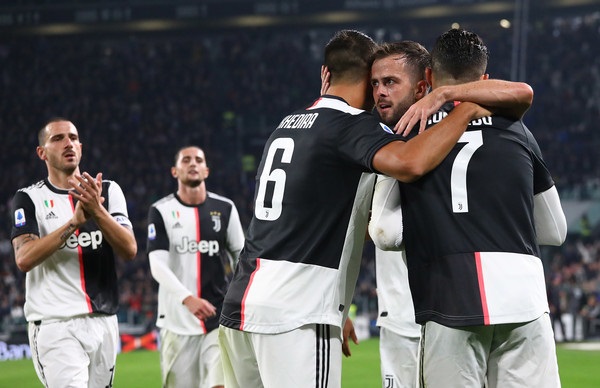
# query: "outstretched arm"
{"points": [[506, 98]]}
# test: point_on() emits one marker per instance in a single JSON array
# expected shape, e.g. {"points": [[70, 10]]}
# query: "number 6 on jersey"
{"points": [[274, 179]]}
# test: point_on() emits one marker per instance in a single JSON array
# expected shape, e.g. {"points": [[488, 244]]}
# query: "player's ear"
{"points": [[41, 152], [421, 90], [485, 76], [207, 173], [174, 172], [428, 75]]}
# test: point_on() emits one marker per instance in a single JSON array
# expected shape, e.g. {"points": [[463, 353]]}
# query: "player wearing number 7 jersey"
{"points": [[472, 229], [283, 313]]}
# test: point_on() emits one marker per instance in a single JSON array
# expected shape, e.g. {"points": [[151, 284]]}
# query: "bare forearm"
{"points": [[409, 161], [503, 97], [120, 238], [30, 250], [428, 152]]}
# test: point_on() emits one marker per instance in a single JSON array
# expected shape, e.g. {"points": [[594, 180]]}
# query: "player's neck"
{"points": [[60, 179], [192, 195], [354, 94]]}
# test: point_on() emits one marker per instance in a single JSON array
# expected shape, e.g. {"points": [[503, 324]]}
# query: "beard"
{"points": [[193, 183], [392, 117]]}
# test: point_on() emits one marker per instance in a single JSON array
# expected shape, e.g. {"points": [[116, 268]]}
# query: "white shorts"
{"points": [[399, 359], [190, 360], [78, 352], [514, 355], [310, 356]]}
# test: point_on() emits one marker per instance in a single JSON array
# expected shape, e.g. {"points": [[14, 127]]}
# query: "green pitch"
{"points": [[578, 369]]}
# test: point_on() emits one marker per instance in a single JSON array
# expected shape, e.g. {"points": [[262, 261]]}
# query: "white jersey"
{"points": [[192, 251], [80, 277], [395, 305]]}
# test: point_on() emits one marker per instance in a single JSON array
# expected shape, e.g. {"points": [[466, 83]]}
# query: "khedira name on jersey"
{"points": [[438, 116], [300, 121]]}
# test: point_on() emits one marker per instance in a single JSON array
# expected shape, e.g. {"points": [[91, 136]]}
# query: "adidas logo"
{"points": [[51, 216], [177, 225]]}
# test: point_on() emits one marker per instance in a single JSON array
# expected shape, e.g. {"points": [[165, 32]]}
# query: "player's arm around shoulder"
{"points": [[505, 98], [410, 160]]}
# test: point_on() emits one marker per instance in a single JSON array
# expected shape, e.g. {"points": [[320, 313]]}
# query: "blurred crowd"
{"points": [[136, 99]]}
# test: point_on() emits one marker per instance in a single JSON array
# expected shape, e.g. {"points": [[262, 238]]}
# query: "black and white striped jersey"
{"points": [[202, 243], [469, 229], [304, 243], [80, 277]]}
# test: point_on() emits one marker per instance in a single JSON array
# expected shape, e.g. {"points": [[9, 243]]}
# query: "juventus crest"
{"points": [[216, 219]]}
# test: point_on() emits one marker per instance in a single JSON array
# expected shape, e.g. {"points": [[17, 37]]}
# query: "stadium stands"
{"points": [[137, 98]]}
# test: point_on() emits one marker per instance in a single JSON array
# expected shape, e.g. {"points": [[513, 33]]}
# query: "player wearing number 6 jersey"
{"points": [[472, 229], [284, 310], [194, 239]]}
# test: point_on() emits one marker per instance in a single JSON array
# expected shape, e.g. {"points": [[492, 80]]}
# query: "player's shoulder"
{"points": [[512, 127], [164, 200], [334, 104], [34, 186], [109, 183], [341, 117], [219, 198]]}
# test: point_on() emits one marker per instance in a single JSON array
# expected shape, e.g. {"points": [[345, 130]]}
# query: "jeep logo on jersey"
{"points": [[84, 240], [211, 247]]}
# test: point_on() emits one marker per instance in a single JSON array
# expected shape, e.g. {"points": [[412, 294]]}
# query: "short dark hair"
{"points": [[42, 131], [459, 54], [417, 57], [183, 148], [348, 56]]}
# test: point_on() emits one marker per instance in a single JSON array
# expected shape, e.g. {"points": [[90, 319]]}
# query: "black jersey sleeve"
{"points": [[157, 234], [23, 216], [542, 179], [360, 141]]}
